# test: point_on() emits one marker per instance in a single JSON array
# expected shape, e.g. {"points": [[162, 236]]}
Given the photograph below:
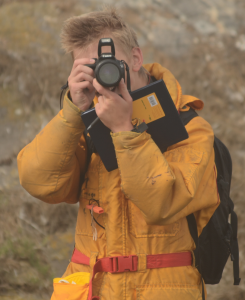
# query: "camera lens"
{"points": [[109, 74]]}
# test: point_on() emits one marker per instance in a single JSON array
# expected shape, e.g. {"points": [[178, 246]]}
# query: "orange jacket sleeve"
{"points": [[169, 186], [50, 167]]}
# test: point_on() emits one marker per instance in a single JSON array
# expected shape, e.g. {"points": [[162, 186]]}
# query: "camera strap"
{"points": [[128, 76], [63, 88]]}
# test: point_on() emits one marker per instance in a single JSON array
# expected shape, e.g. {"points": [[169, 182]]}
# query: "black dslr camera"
{"points": [[107, 69]]}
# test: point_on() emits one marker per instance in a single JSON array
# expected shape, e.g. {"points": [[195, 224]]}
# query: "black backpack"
{"points": [[218, 239]]}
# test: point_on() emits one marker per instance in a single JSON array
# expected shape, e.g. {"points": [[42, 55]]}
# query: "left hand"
{"points": [[114, 111]]}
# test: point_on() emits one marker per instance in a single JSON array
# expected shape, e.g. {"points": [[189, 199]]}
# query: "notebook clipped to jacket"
{"points": [[151, 104]]}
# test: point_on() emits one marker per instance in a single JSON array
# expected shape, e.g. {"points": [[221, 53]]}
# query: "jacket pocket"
{"points": [[168, 292], [140, 229], [187, 161], [84, 219], [72, 287]]}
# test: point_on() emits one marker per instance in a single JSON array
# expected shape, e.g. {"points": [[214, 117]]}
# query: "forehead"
{"points": [[91, 51]]}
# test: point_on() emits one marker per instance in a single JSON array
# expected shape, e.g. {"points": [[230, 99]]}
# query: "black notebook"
{"points": [[153, 105]]}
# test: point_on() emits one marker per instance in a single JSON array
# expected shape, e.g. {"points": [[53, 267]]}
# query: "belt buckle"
{"points": [[122, 264]]}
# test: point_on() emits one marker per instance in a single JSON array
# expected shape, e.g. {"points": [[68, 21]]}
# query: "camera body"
{"points": [[107, 69]]}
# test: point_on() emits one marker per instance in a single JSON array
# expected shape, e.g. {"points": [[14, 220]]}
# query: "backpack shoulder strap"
{"points": [[187, 116]]}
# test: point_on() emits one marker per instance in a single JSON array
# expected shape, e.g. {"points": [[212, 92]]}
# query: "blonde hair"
{"points": [[81, 31]]}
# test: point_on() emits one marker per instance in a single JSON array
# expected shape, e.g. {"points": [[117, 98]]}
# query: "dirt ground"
{"points": [[201, 42]]}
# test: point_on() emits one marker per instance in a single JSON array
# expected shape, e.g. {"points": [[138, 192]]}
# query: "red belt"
{"points": [[120, 264]]}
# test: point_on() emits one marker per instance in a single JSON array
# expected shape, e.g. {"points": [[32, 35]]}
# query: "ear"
{"points": [[137, 58]]}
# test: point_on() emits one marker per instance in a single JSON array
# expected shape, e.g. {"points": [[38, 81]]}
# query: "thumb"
{"points": [[124, 91], [97, 109]]}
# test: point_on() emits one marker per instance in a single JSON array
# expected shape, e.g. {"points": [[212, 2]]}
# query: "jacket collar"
{"points": [[173, 87]]}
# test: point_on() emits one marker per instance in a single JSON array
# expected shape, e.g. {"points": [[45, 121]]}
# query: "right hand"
{"points": [[81, 83]]}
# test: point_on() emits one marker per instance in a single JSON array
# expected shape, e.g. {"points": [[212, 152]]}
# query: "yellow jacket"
{"points": [[145, 201]]}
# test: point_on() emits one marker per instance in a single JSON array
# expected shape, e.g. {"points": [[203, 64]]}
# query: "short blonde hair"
{"points": [[80, 31]]}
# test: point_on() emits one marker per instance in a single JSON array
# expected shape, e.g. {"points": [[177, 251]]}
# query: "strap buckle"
{"points": [[122, 264]]}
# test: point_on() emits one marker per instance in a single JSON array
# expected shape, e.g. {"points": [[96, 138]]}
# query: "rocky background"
{"points": [[201, 41]]}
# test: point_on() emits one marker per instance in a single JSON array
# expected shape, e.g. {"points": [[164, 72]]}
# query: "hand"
{"points": [[81, 83], [114, 111]]}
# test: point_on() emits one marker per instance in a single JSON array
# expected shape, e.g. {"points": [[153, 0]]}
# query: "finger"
{"points": [[101, 90], [89, 87], [80, 86], [82, 61], [97, 109], [83, 77], [82, 69], [124, 91], [101, 99]]}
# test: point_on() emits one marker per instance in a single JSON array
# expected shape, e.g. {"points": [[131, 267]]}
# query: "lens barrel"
{"points": [[108, 73]]}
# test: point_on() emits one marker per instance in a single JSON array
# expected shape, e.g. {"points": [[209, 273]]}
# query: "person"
{"points": [[142, 233]]}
